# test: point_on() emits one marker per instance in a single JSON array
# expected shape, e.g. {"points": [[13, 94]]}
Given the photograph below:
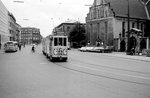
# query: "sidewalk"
{"points": [[1, 50], [124, 55]]}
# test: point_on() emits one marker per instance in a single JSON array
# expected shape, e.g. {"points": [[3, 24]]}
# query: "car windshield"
{"points": [[8, 43]]}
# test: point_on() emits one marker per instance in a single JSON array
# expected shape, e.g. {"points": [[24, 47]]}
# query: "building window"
{"points": [[106, 26], [142, 29], [133, 25], [98, 28], [68, 29], [123, 29], [137, 25], [142, 26], [91, 28]]}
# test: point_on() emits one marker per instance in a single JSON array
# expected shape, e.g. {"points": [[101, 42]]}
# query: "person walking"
{"points": [[19, 46], [24, 44], [33, 48], [0, 46]]}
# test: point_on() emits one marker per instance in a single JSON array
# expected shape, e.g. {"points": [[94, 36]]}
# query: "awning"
{"points": [[136, 30]]}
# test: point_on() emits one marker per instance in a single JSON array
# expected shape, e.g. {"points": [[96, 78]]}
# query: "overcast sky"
{"points": [[46, 14]]}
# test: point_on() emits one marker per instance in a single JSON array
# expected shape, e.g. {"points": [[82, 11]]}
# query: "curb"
{"points": [[121, 55], [141, 58]]}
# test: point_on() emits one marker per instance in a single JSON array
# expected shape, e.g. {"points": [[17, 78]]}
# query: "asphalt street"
{"points": [[24, 74]]}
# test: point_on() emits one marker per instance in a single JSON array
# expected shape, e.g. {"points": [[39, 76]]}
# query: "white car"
{"points": [[11, 46], [89, 49], [98, 49], [83, 49]]}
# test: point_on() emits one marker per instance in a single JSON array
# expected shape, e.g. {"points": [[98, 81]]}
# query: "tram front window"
{"points": [[60, 42], [55, 42], [65, 42]]}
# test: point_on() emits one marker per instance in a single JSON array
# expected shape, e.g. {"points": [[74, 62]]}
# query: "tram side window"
{"points": [[65, 42], [55, 42]]}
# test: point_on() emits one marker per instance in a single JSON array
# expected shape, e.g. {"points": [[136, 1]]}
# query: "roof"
{"points": [[120, 8], [144, 1], [137, 9], [148, 7], [69, 23]]}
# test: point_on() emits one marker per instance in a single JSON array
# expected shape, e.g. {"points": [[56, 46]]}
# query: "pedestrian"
{"points": [[24, 45], [133, 51], [0, 46], [19, 45], [33, 48]]}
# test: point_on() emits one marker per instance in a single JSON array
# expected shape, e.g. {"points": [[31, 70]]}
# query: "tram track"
{"points": [[106, 74], [109, 67]]}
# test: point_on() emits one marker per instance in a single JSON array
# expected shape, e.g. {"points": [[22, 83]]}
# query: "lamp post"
{"points": [[128, 32]]}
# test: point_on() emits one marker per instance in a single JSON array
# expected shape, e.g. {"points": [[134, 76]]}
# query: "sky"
{"points": [[47, 14]]}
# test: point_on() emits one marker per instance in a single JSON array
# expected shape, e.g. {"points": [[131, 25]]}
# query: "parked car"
{"points": [[11, 46], [98, 49], [108, 49], [89, 49], [82, 49]]}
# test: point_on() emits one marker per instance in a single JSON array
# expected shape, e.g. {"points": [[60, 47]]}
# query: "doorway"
{"points": [[142, 44], [122, 46], [132, 42]]}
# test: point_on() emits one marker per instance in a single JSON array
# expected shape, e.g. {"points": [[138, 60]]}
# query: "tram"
{"points": [[55, 47]]}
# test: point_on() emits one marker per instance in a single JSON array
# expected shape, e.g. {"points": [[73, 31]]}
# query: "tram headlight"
{"points": [[55, 51], [65, 51]]}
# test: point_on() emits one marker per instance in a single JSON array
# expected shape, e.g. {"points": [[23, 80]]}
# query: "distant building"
{"points": [[4, 33], [30, 35], [66, 27], [107, 23], [18, 32]]}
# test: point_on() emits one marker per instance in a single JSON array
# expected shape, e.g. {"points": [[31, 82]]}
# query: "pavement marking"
{"points": [[42, 63], [115, 73]]}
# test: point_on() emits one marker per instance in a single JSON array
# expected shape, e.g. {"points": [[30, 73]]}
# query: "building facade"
{"points": [[107, 23], [18, 32], [12, 27], [30, 35], [66, 27], [4, 33]]}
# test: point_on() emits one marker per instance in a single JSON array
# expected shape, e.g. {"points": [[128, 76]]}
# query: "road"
{"points": [[85, 75]]}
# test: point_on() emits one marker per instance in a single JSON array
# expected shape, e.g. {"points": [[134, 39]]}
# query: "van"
{"points": [[11, 46]]}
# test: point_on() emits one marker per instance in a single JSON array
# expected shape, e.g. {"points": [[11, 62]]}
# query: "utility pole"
{"points": [[128, 32]]}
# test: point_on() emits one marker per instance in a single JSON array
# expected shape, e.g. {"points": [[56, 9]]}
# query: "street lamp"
{"points": [[128, 32]]}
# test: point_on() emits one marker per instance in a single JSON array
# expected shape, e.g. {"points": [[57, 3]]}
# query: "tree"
{"points": [[77, 35]]}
